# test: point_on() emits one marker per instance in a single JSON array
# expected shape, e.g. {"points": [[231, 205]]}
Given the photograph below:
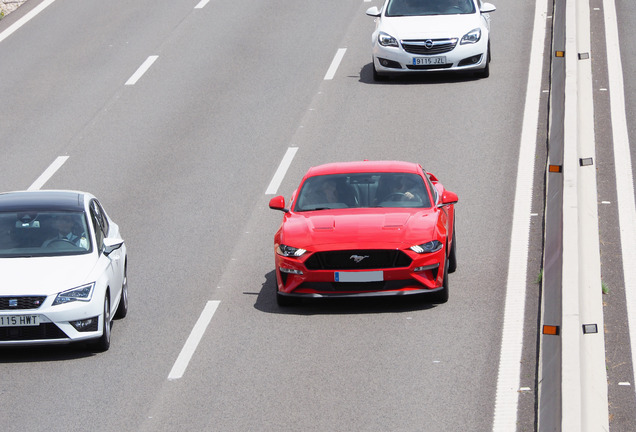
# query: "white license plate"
{"points": [[364, 276], [19, 320], [427, 61]]}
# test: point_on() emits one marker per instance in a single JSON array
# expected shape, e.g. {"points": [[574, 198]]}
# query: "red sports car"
{"points": [[364, 229]]}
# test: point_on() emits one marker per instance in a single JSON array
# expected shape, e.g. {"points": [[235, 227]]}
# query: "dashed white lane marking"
{"points": [[26, 18], [202, 4], [281, 171], [179, 367], [508, 377], [48, 173], [331, 72], [142, 70]]}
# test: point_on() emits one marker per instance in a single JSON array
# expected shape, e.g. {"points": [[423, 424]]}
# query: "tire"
{"points": [[122, 309], [442, 296], [284, 301], [452, 256], [103, 343], [485, 72], [376, 75]]}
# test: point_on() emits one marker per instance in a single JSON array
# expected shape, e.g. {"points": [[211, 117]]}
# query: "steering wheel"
{"points": [[401, 195], [59, 241], [453, 10]]}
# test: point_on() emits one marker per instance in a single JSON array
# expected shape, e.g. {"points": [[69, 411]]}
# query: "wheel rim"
{"points": [[124, 289], [106, 319]]}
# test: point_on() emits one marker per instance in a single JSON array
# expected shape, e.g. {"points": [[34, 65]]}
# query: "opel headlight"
{"points": [[82, 293], [471, 37], [385, 39]]}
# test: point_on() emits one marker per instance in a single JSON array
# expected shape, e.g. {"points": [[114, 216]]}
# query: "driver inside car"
{"points": [[400, 188], [64, 224]]}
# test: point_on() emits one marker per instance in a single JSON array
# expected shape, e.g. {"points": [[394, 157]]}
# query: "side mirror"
{"points": [[487, 8], [449, 198], [373, 11], [112, 244], [278, 203]]}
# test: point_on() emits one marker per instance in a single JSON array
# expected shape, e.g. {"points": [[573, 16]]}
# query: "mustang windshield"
{"points": [[363, 190], [429, 7], [43, 233]]}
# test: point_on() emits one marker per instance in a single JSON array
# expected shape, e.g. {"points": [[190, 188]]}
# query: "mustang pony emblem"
{"points": [[358, 258]]}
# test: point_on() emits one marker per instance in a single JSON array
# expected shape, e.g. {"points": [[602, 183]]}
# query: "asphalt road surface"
{"points": [[182, 157]]}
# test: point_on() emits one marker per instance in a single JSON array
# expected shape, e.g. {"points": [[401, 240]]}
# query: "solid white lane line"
{"points": [[26, 18], [623, 166], [142, 70], [202, 4], [193, 340], [508, 377], [281, 171], [46, 175], [331, 72]]}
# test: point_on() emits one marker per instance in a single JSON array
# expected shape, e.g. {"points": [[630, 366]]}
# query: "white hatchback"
{"points": [[62, 269], [431, 35]]}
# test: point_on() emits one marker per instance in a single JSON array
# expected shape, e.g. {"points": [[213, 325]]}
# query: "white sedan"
{"points": [[62, 269], [431, 35]]}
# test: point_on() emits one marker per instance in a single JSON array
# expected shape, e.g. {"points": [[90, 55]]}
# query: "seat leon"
{"points": [[63, 269]]}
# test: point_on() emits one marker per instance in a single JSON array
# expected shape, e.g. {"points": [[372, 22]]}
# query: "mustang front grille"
{"points": [[358, 260], [429, 46], [21, 303], [361, 286]]}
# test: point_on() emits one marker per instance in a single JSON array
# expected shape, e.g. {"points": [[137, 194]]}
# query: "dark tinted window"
{"points": [[362, 190], [429, 7], [43, 233]]}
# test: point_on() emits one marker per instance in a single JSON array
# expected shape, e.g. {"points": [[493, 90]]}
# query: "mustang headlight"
{"points": [[385, 39], [428, 247], [82, 293], [289, 251], [471, 37]]}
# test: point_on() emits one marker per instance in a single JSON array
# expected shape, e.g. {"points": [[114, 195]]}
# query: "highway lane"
{"points": [[182, 159]]}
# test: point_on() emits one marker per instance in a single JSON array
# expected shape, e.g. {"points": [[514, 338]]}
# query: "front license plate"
{"points": [[365, 276], [19, 320], [427, 61]]}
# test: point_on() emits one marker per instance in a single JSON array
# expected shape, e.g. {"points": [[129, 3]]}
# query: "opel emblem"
{"points": [[358, 258], [428, 44]]}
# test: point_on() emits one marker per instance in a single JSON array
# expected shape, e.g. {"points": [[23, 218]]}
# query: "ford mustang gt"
{"points": [[62, 269], [431, 35], [364, 229]]}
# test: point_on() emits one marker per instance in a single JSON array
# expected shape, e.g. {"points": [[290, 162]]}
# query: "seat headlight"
{"points": [[289, 251], [385, 39], [471, 37], [82, 293], [428, 247]]}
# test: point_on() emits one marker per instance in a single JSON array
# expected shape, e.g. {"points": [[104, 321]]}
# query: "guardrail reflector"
{"points": [[551, 330], [590, 328]]}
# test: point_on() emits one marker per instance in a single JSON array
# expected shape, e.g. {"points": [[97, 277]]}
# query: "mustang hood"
{"points": [[400, 229], [44, 275], [430, 27]]}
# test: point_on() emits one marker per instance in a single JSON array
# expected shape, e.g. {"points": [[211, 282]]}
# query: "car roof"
{"points": [[42, 200], [363, 167]]}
